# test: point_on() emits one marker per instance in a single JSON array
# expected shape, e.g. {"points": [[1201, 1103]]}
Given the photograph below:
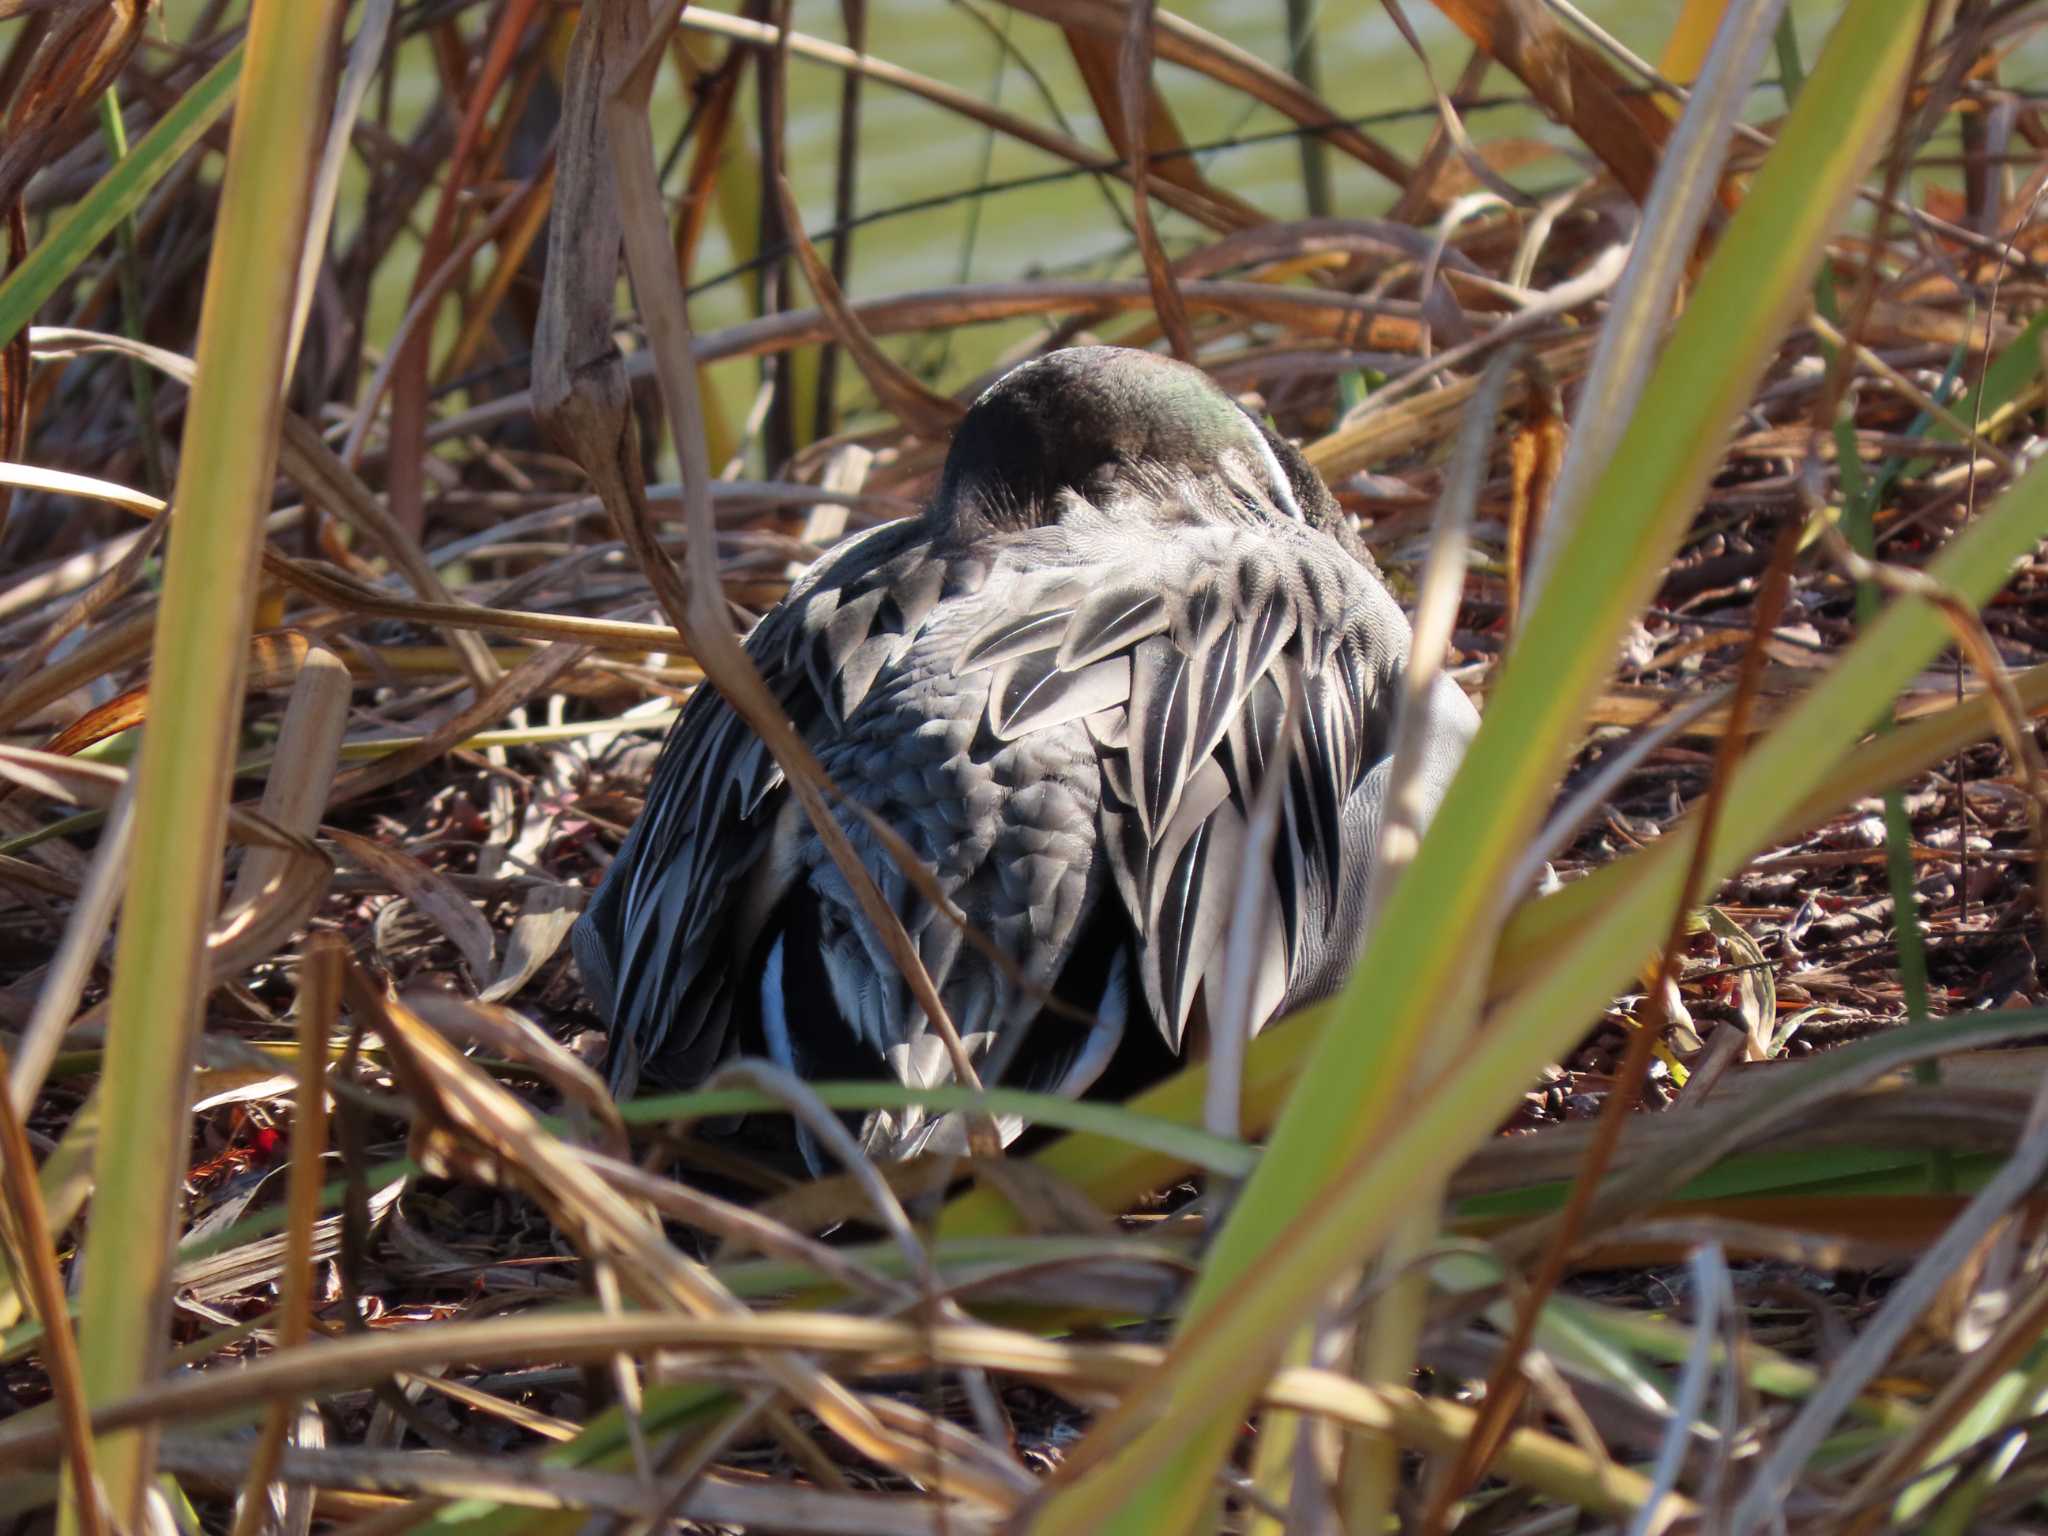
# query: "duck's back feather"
{"points": [[1080, 708]]}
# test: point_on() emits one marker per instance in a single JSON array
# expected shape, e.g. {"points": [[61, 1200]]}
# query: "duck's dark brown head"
{"points": [[1093, 420]]}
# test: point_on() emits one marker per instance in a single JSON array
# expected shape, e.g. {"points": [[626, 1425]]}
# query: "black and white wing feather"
{"points": [[653, 942], [1181, 666]]}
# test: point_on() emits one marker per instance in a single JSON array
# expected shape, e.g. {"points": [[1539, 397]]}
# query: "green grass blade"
{"points": [[202, 641], [1184, 1144], [1148, 1465], [2015, 368], [140, 379], [116, 195], [1358, 1207], [1116, 1174]]}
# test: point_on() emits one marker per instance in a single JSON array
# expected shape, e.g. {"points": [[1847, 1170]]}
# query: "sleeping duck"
{"points": [[1129, 605]]}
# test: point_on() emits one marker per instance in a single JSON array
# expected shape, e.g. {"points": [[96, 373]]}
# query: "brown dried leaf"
{"points": [[1134, 93], [929, 415], [517, 1038], [302, 771], [544, 921], [466, 1121], [1580, 88], [1180, 41], [1162, 145], [528, 680], [429, 891], [1535, 453]]}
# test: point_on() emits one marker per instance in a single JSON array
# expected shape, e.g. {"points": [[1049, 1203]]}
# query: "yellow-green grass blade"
{"points": [[1784, 768], [1539, 927], [2015, 368], [1150, 1462], [1643, 501], [1115, 1175], [1792, 1090], [116, 195], [1967, 1480], [1458, 1111], [1533, 934], [202, 638], [1184, 1144]]}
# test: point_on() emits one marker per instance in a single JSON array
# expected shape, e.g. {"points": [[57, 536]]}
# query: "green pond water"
{"points": [[1075, 225]]}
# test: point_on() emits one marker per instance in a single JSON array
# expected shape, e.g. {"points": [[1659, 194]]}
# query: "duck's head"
{"points": [[1097, 421]]}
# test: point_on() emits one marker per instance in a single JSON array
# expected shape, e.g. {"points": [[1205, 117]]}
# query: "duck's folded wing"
{"points": [[643, 942], [655, 942], [1183, 663]]}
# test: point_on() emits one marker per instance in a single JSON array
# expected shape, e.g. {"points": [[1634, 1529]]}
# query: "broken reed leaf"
{"points": [[1109, 1121], [1582, 90]]}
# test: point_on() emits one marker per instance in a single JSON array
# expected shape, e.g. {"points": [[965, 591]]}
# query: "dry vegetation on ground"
{"points": [[532, 1308]]}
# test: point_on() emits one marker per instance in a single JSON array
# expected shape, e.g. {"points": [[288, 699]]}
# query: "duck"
{"points": [[1128, 606]]}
